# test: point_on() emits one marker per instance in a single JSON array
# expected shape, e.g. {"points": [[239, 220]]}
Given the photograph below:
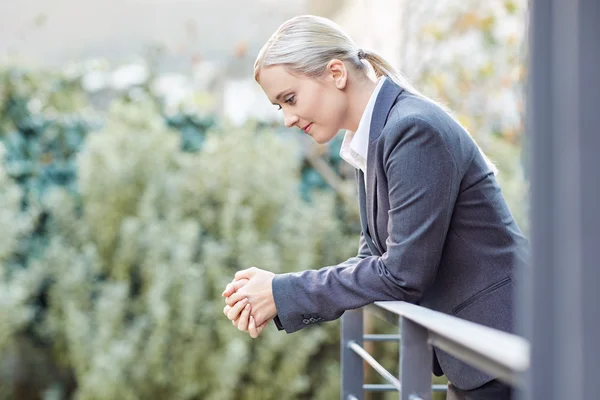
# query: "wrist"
{"points": [[273, 306]]}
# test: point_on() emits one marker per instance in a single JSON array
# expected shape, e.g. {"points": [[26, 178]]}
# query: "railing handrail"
{"points": [[506, 349], [497, 353]]}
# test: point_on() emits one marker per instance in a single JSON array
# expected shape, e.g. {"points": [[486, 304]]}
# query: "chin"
{"points": [[322, 138]]}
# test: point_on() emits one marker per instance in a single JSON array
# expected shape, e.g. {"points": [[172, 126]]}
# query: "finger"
{"points": [[235, 298], [237, 309], [254, 332], [245, 273], [228, 291], [259, 321], [243, 321], [226, 309], [233, 287], [237, 285]]}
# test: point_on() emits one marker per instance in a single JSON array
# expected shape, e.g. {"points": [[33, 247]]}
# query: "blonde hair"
{"points": [[305, 44]]}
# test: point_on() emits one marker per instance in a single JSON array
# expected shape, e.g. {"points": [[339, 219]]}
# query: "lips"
{"points": [[307, 127]]}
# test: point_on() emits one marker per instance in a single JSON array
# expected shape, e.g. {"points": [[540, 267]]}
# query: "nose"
{"points": [[289, 119]]}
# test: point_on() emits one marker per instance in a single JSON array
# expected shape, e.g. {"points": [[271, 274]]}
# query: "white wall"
{"points": [[374, 25]]}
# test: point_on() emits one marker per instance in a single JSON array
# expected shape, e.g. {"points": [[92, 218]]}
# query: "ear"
{"points": [[336, 70]]}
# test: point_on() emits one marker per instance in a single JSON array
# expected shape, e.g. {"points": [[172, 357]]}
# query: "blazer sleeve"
{"points": [[363, 252], [423, 183]]}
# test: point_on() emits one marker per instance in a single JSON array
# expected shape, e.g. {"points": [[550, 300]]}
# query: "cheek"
{"points": [[330, 109]]}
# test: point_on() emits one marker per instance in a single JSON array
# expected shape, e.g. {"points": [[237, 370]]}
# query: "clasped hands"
{"points": [[250, 303]]}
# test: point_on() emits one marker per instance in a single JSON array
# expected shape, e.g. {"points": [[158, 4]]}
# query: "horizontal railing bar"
{"points": [[381, 338], [478, 360], [439, 388], [371, 387], [495, 352], [383, 314], [373, 363]]}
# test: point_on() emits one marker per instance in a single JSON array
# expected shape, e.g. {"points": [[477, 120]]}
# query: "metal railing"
{"points": [[497, 353]]}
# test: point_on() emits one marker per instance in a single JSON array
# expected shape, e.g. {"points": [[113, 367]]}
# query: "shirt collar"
{"points": [[360, 140]]}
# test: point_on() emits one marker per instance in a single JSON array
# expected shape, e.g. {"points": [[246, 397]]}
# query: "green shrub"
{"points": [[136, 258]]}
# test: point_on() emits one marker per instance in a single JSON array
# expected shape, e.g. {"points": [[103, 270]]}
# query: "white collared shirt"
{"points": [[355, 146]]}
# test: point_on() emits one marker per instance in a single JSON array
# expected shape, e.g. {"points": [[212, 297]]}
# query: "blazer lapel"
{"points": [[385, 100], [371, 205], [360, 179]]}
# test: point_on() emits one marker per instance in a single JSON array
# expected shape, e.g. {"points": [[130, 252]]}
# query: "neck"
{"points": [[360, 93]]}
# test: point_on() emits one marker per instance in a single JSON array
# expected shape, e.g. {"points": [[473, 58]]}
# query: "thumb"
{"points": [[234, 287], [245, 273]]}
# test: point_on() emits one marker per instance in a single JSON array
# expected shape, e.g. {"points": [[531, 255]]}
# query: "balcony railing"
{"points": [[497, 353]]}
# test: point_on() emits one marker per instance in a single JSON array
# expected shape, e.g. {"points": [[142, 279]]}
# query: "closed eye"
{"points": [[291, 100]]}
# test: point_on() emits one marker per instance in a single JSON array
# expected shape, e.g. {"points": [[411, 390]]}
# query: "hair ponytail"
{"points": [[382, 68]]}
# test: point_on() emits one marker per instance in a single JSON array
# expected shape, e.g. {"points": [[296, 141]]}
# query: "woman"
{"points": [[436, 230]]}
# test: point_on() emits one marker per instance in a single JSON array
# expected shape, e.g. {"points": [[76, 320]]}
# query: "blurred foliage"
{"points": [[470, 56], [134, 242]]}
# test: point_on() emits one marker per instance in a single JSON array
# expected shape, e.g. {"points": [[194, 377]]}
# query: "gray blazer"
{"points": [[436, 231]]}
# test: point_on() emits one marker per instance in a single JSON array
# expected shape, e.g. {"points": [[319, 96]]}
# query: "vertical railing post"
{"points": [[416, 361], [352, 363], [563, 121]]}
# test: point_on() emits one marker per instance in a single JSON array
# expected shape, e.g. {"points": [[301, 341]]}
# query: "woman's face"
{"points": [[318, 106]]}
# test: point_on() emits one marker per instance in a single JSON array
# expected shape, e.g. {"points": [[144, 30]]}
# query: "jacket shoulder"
{"points": [[413, 117], [411, 111]]}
